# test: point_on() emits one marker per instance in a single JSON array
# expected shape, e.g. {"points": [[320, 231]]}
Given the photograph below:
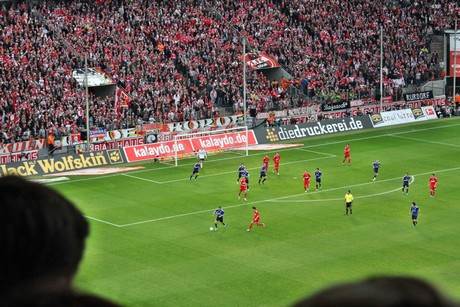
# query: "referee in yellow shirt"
{"points": [[348, 202]]}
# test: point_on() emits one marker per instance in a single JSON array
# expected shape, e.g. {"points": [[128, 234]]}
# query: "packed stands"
{"points": [[182, 60]]}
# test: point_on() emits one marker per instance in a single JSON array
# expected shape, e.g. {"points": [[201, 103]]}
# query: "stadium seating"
{"points": [[181, 60]]}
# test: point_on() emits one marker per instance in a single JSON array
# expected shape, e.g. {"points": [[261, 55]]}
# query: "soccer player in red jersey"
{"points": [[346, 155], [255, 219], [306, 180], [432, 184], [276, 160], [265, 160], [243, 188]]}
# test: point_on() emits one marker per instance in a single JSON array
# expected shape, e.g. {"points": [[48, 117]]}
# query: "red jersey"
{"points": [[306, 177], [433, 181], [347, 151], [256, 217], [265, 160], [276, 159], [243, 185]]}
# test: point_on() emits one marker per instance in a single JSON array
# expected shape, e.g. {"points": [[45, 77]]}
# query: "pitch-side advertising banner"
{"points": [[284, 133], [405, 116], [157, 150], [188, 146], [61, 164], [229, 140]]}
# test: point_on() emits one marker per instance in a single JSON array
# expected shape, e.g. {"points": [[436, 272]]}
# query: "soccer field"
{"points": [[150, 243]]}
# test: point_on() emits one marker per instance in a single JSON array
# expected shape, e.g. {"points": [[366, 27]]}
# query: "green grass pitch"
{"points": [[150, 243]]}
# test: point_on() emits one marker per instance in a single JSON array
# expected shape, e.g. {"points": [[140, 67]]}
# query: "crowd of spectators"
{"points": [[181, 60]]}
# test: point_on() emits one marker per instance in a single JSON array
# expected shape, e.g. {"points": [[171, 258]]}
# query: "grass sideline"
{"points": [[150, 242]]}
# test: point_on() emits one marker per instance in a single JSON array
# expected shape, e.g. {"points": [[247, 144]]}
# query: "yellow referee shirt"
{"points": [[348, 198]]}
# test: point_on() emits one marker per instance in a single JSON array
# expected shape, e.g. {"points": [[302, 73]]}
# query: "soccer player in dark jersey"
{"points": [[405, 186], [263, 174], [414, 211], [219, 216], [240, 172], [376, 165], [318, 177], [196, 170], [255, 219], [246, 175]]}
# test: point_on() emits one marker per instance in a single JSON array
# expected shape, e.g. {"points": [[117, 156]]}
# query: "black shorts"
{"points": [[220, 219], [348, 205], [195, 172], [405, 184], [318, 180], [414, 217]]}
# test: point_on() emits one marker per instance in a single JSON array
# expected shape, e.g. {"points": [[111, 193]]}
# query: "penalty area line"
{"points": [[243, 204], [233, 172]]}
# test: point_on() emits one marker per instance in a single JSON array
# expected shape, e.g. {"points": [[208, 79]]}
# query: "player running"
{"points": [[346, 155], [414, 211], [219, 216], [405, 181], [376, 165], [306, 180], [255, 219], [433, 181], [318, 177], [196, 170], [263, 174]]}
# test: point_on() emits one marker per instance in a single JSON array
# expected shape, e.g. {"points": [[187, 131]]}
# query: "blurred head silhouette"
{"points": [[385, 291], [42, 237]]}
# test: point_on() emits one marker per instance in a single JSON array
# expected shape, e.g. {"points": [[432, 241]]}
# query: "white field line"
{"points": [[101, 221], [316, 152], [422, 140], [336, 199], [291, 196], [140, 178], [239, 157]]}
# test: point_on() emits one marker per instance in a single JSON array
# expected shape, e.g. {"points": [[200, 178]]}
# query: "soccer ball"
{"points": [[210, 228]]}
